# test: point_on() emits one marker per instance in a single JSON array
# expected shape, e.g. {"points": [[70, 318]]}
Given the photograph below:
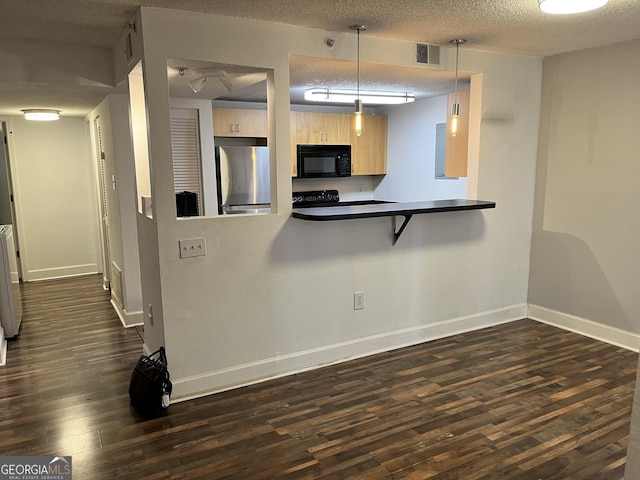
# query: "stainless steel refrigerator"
{"points": [[244, 179]]}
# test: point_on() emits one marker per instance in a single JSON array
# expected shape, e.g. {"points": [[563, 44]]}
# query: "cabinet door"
{"points": [[251, 123], [369, 150], [337, 128], [314, 128], [224, 122], [239, 122], [457, 148], [309, 128]]}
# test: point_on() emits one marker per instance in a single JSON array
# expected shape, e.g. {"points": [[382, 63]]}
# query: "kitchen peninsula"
{"points": [[405, 209]]}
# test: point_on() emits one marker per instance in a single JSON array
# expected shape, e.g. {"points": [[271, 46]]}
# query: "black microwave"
{"points": [[320, 161]]}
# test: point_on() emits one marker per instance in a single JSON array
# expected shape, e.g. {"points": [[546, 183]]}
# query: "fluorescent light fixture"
{"points": [[350, 96], [41, 114], [570, 6]]}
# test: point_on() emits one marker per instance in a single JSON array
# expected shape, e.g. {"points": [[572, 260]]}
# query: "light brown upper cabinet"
{"points": [[369, 150], [457, 148], [314, 128], [239, 122]]}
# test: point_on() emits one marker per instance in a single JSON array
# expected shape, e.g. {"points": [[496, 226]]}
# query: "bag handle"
{"points": [[163, 355]]}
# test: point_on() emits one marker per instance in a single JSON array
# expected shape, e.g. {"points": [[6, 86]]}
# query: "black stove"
{"points": [[327, 198], [315, 198]]}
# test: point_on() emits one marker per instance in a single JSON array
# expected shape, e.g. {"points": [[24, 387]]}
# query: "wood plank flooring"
{"points": [[518, 401]]}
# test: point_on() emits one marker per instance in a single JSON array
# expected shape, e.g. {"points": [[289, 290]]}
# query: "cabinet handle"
{"points": [[231, 127], [237, 128]]}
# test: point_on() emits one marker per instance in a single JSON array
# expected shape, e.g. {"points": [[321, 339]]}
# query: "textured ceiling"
{"points": [[509, 26], [516, 26]]}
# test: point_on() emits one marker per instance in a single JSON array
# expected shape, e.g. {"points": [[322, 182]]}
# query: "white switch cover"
{"points": [[193, 247], [358, 300]]}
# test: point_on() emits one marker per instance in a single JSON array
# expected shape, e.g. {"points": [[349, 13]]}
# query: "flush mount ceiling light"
{"points": [[41, 114], [570, 6], [368, 97]]}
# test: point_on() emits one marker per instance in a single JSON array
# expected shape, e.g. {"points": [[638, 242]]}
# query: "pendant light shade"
{"points": [[358, 114], [570, 6]]}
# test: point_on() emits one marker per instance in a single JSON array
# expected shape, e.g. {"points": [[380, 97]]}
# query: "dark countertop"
{"points": [[368, 210]]}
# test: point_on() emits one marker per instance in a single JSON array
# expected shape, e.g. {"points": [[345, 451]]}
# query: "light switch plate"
{"points": [[193, 247], [358, 300]]}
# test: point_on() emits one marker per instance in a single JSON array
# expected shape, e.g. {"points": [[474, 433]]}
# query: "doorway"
{"points": [[7, 205]]}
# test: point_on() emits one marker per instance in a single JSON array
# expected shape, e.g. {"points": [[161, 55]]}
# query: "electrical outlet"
{"points": [[193, 247], [358, 300]]}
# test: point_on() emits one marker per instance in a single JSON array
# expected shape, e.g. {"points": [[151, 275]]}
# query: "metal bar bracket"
{"points": [[396, 234]]}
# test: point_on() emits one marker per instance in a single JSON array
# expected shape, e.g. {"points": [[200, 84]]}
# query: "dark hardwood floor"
{"points": [[518, 401]]}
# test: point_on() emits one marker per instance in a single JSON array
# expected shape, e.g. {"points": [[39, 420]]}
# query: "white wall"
{"points": [[586, 228], [56, 202], [275, 294], [5, 192], [411, 154], [586, 223], [113, 116]]}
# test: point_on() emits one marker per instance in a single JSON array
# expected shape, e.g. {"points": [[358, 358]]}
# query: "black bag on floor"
{"points": [[150, 386]]}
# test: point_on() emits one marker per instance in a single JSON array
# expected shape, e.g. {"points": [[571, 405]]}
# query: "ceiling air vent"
{"points": [[428, 54]]}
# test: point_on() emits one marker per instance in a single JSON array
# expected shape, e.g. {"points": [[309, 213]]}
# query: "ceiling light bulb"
{"points": [[570, 6], [41, 114], [455, 115]]}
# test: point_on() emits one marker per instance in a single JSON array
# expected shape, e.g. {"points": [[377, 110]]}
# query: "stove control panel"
{"points": [[315, 198]]}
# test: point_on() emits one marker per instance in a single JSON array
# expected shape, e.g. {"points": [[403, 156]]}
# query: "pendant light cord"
{"points": [[455, 99], [358, 66]]}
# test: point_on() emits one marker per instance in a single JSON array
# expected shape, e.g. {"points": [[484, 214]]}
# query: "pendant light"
{"points": [[358, 102], [455, 109]]}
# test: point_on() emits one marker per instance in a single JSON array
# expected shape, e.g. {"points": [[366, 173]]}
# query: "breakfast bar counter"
{"points": [[391, 209]]}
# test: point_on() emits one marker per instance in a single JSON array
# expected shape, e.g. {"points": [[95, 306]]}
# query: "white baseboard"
{"points": [[128, 319], [269, 368], [588, 328], [61, 272]]}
